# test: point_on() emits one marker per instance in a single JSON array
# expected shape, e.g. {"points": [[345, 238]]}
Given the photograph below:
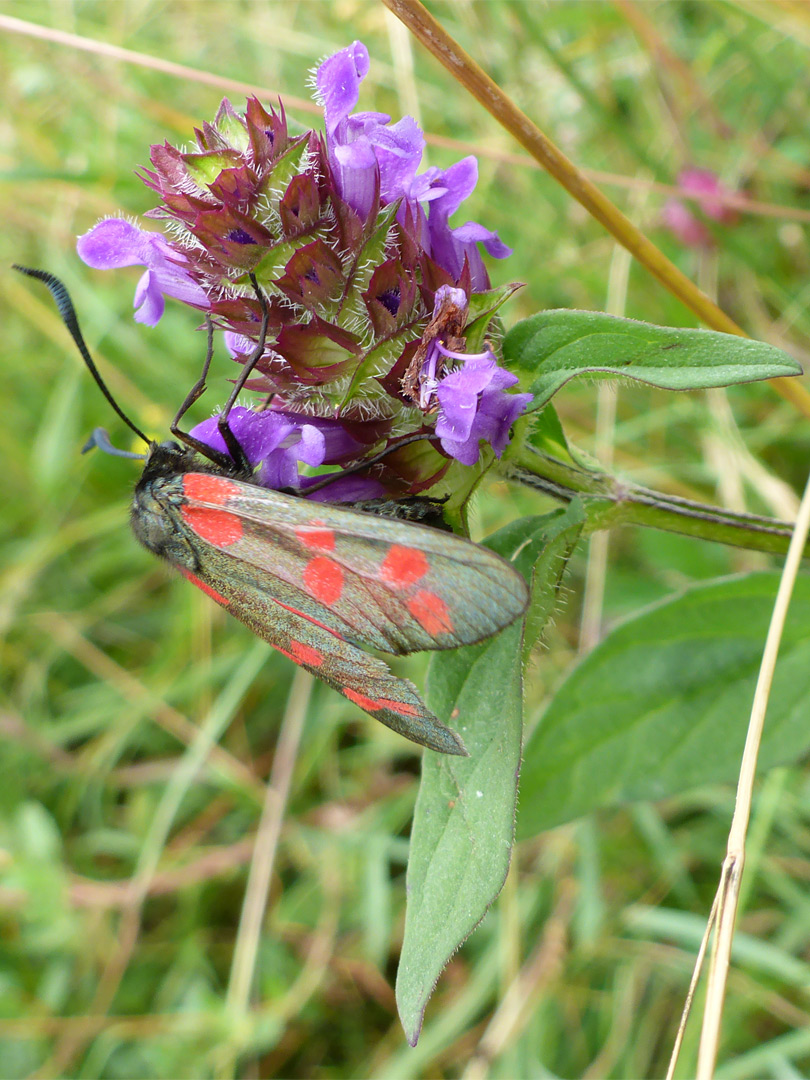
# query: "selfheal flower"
{"points": [[115, 242], [341, 248], [371, 158], [444, 190]]}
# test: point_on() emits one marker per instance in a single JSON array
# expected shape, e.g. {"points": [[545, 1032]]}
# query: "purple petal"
{"points": [[148, 300], [259, 434], [473, 233], [275, 442], [114, 243], [281, 469], [459, 180], [238, 344], [338, 83], [473, 406], [398, 149], [458, 397], [356, 171], [344, 488]]}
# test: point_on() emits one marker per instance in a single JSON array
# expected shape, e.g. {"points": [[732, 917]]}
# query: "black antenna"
{"points": [[68, 313]]}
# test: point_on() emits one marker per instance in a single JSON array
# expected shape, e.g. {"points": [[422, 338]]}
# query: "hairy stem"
{"points": [[609, 502]]}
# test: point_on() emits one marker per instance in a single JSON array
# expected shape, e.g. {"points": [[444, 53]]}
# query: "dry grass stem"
{"points": [[490, 95], [129, 56], [729, 888]]}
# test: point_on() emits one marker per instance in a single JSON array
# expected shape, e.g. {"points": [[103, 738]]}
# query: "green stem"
{"points": [[610, 502]]}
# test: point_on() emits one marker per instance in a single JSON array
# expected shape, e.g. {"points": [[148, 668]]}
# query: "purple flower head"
{"points": [[343, 253], [115, 242]]}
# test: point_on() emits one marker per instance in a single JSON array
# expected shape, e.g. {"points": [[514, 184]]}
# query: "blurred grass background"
{"points": [[110, 666]]}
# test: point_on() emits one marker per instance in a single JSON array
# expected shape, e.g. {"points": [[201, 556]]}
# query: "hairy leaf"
{"points": [[553, 347], [662, 704], [463, 826]]}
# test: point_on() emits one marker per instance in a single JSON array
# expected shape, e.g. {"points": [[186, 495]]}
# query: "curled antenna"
{"points": [[68, 313], [101, 439]]}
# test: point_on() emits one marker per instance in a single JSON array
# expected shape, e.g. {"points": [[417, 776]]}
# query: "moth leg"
{"points": [[236, 451], [361, 466], [197, 390]]}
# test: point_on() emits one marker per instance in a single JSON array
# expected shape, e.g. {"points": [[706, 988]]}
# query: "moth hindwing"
{"points": [[318, 580]]}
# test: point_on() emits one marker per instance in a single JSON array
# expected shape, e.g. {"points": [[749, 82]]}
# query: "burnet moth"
{"points": [[315, 580]]}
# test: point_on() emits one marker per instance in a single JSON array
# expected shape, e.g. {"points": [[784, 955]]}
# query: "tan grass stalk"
{"points": [[724, 908], [179, 71], [463, 68], [731, 874]]}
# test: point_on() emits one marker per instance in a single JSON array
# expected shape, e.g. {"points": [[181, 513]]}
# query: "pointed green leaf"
{"points": [[662, 704], [463, 825], [552, 347], [483, 307]]}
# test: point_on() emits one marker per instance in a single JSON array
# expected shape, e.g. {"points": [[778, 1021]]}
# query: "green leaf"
{"points": [[483, 307], [463, 826], [544, 545], [547, 435], [555, 346], [662, 704]]}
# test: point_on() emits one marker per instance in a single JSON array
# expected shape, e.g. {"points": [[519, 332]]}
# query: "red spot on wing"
{"points": [[305, 654], [302, 653], [324, 579], [375, 704], [316, 536], [403, 566], [207, 589], [205, 487], [216, 526], [430, 611]]}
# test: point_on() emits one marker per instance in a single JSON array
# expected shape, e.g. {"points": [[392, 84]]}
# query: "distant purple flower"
{"points": [[684, 225], [682, 221], [276, 442], [115, 242], [710, 191]]}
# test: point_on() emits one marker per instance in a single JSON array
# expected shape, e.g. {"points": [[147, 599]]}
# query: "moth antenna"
{"points": [[68, 313], [101, 439]]}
